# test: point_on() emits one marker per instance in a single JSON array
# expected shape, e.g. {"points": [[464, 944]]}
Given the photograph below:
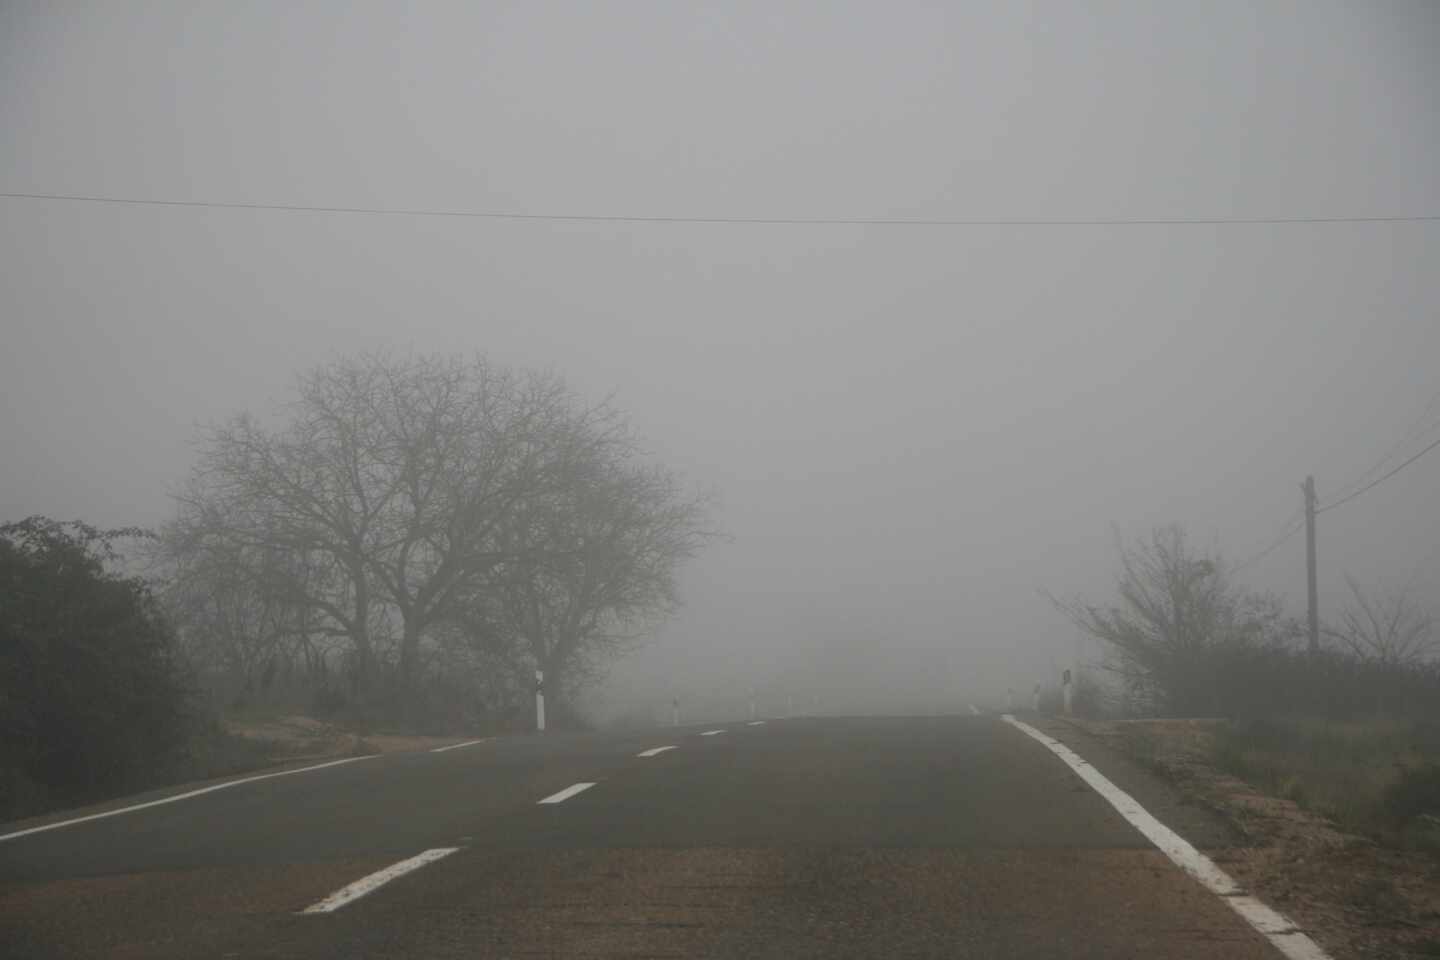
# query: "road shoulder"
{"points": [[1359, 899]]}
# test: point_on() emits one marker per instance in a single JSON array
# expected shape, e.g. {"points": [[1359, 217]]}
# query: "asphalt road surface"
{"points": [[809, 837]]}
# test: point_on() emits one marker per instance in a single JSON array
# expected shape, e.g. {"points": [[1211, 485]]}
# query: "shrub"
{"points": [[1184, 640], [213, 751], [328, 701], [91, 697], [1415, 793]]}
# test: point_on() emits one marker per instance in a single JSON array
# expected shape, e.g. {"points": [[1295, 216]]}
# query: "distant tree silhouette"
{"points": [[1181, 629], [428, 523]]}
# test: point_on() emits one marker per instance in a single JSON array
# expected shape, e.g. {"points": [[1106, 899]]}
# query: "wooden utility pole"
{"points": [[1309, 487]]}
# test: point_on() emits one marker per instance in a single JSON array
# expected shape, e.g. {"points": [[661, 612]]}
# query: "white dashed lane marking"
{"points": [[374, 881], [567, 793], [654, 751], [457, 746], [711, 733]]}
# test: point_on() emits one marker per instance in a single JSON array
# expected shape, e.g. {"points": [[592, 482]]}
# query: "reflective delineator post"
{"points": [[540, 701], [1069, 689]]}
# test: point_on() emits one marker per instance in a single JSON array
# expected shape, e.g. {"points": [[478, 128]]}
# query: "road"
{"points": [[947, 837]]}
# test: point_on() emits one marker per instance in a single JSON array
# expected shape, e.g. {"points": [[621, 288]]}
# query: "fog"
{"points": [[912, 429]]}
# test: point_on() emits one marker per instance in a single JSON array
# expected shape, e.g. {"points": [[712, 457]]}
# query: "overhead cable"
{"points": [[759, 221]]}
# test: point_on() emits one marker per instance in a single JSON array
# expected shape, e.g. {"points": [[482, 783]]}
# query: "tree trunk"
{"points": [[360, 634], [364, 660], [556, 706], [409, 654]]}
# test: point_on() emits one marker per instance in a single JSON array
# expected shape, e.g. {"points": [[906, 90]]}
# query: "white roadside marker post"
{"points": [[540, 701], [675, 712], [1069, 689], [1036, 698]]}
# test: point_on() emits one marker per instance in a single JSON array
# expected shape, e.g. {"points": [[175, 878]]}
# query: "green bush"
{"points": [[92, 701]]}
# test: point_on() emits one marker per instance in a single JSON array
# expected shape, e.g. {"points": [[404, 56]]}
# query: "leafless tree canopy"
{"points": [[1388, 628], [405, 500], [595, 564]]}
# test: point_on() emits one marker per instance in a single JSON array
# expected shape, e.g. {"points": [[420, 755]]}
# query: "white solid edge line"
{"points": [[711, 733], [654, 751], [1280, 930], [180, 796], [457, 746], [567, 793], [379, 878], [756, 723]]}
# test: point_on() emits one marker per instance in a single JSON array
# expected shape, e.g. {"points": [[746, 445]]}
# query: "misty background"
{"points": [[911, 429]]}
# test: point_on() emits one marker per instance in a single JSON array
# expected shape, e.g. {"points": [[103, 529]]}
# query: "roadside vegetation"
{"points": [[1378, 776], [94, 698], [1351, 732], [398, 551], [1326, 762], [414, 539]]}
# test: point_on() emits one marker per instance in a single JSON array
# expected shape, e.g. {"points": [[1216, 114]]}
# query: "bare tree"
{"points": [[237, 630], [1177, 618], [405, 499], [1386, 628], [596, 566], [385, 490]]}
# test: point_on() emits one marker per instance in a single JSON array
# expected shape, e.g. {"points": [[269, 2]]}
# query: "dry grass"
{"points": [[1378, 777], [299, 737]]}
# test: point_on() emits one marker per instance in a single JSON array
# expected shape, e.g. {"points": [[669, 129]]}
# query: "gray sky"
{"points": [[912, 428]]}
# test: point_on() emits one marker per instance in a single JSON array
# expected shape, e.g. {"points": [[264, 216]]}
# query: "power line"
{"points": [[762, 221], [1420, 567], [1291, 527], [1416, 431], [1379, 480]]}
